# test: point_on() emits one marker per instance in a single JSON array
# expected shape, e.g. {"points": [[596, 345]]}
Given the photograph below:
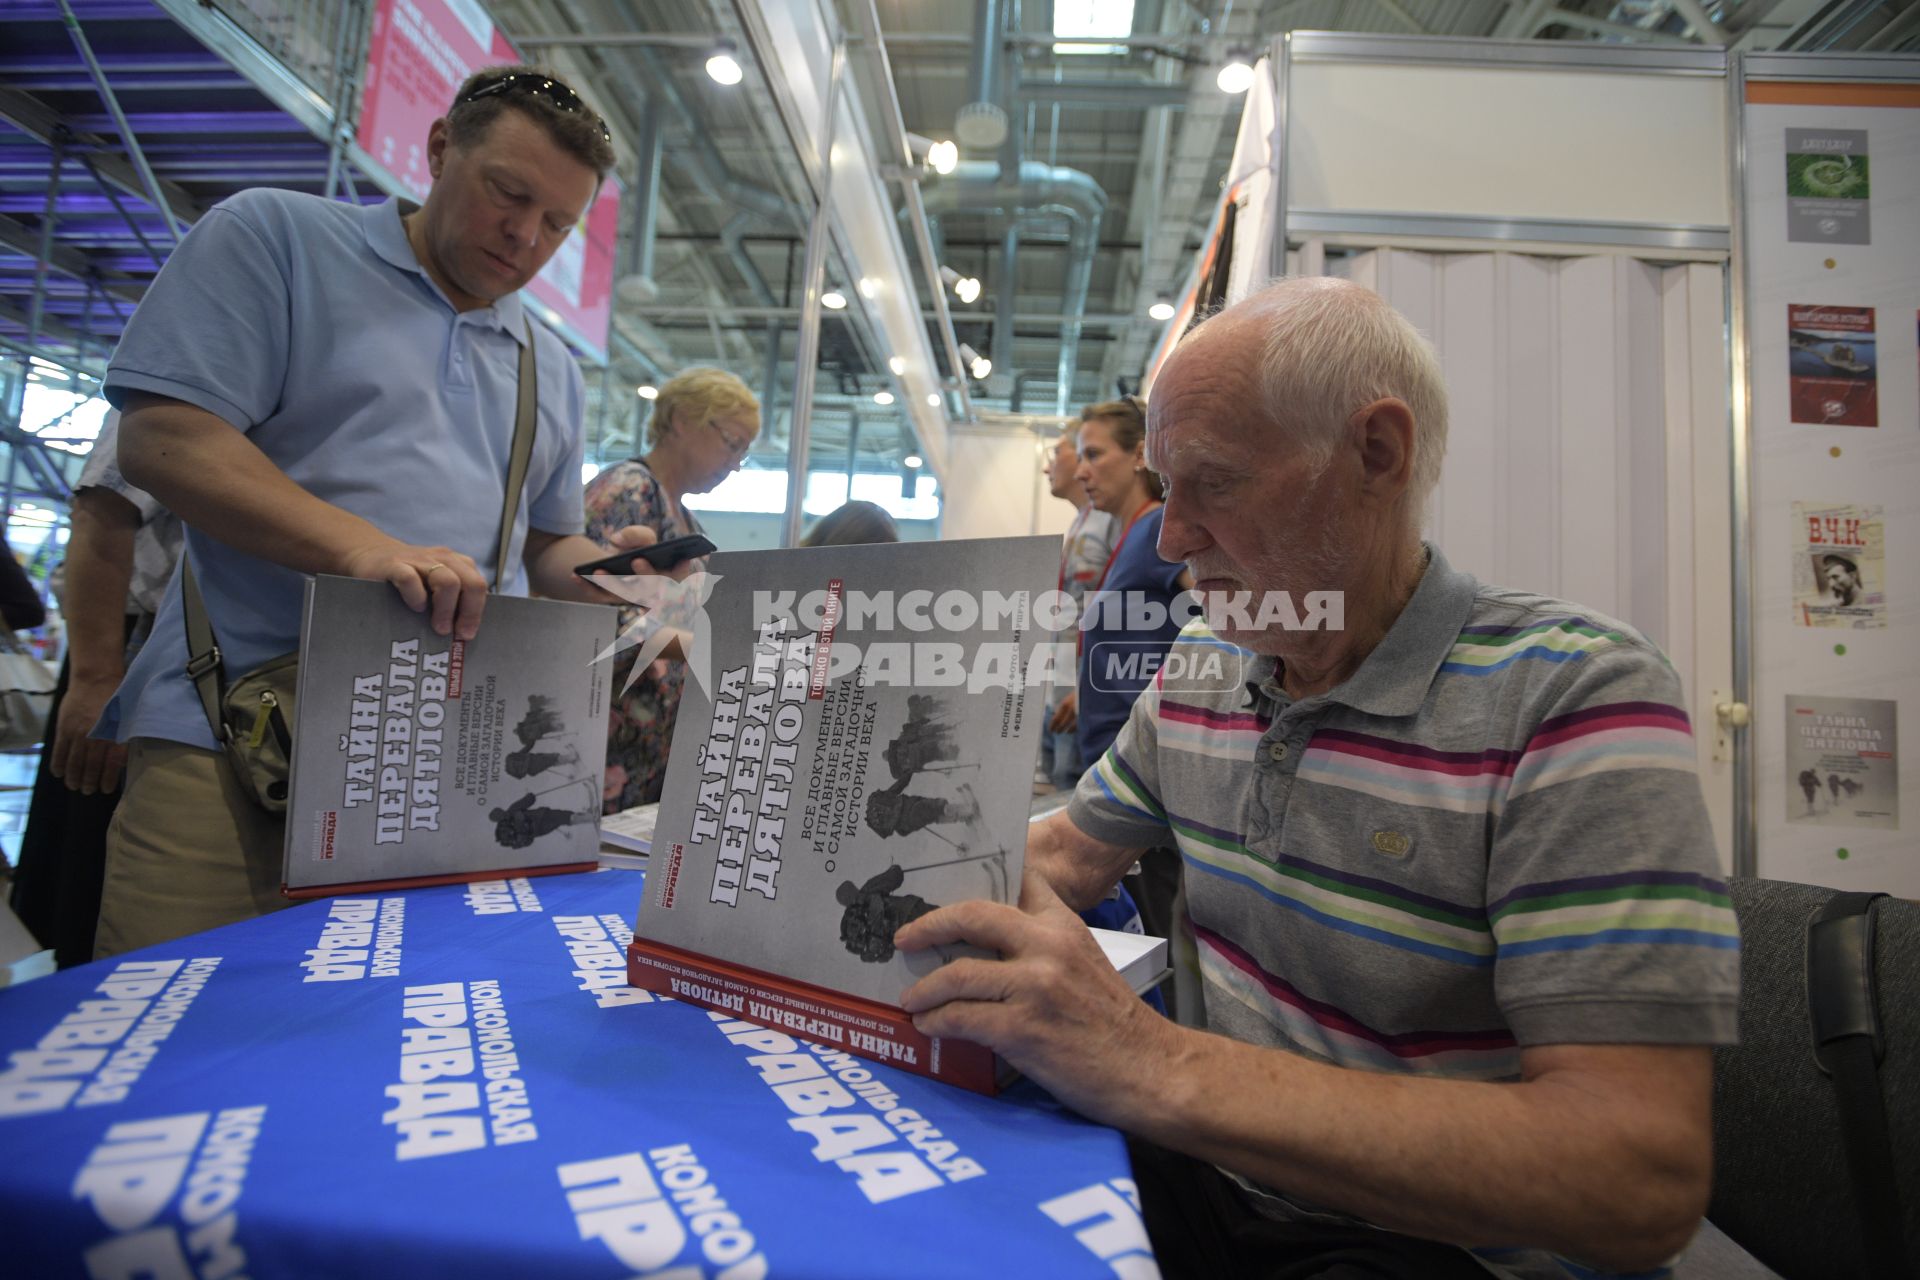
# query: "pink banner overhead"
{"points": [[419, 53]]}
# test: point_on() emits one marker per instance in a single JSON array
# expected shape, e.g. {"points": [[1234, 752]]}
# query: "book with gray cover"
{"points": [[859, 752], [420, 757]]}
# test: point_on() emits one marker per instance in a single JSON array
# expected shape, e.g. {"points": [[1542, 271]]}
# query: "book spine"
{"points": [[838, 1021], [421, 882]]}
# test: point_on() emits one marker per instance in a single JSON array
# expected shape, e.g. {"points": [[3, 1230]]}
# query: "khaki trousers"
{"points": [[187, 850]]}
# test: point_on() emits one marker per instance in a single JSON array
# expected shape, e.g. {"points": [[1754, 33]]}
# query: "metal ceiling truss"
{"points": [[128, 118]]}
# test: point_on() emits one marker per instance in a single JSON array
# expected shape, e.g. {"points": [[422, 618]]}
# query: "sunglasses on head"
{"points": [[534, 84]]}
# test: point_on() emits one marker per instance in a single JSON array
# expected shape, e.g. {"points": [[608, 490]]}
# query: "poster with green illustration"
{"points": [[1828, 186]]}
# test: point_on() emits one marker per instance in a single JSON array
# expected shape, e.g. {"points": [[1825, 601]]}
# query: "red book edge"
{"points": [[842, 1022], [421, 882]]}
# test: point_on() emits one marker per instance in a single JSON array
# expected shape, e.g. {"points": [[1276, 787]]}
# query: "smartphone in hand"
{"points": [[661, 556]]}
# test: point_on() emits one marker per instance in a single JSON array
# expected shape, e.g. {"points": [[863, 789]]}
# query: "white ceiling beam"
{"points": [[1521, 20], [1705, 29], [1600, 26], [1412, 23]]}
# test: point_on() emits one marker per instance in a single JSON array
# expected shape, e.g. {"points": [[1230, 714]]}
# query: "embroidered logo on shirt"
{"points": [[1392, 843]]}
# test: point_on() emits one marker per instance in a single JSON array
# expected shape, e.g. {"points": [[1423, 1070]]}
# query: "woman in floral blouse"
{"points": [[703, 424]]}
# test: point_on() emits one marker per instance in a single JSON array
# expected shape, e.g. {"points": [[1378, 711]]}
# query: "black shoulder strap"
{"points": [[1848, 1048]]}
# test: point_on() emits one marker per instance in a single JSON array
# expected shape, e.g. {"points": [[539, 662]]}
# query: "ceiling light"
{"points": [[883, 397], [1237, 75], [912, 459], [722, 65], [933, 398], [833, 300], [898, 364], [648, 391], [1161, 309], [941, 157], [965, 288], [978, 365], [1082, 19], [869, 287], [634, 292]]}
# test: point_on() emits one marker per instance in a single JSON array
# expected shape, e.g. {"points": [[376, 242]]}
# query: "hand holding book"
{"points": [[1052, 1005]]}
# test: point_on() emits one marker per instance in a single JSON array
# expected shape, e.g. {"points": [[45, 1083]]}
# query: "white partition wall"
{"points": [[1422, 142], [1587, 448], [996, 489]]}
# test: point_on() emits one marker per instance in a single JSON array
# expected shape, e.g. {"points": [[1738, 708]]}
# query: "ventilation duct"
{"points": [[982, 123], [1037, 195]]}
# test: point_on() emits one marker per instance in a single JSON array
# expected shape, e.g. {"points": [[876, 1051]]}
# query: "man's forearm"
{"points": [[218, 481], [1080, 868], [98, 573], [1589, 1172], [550, 560]]}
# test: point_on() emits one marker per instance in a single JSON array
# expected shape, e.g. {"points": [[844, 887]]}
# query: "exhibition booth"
{"points": [[1672, 286]]}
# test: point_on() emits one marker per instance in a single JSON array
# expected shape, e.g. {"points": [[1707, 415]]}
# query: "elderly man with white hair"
{"points": [[1460, 929]]}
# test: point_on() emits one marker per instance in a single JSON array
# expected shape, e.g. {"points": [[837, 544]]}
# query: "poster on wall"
{"points": [[1833, 367], [1238, 254], [417, 55], [1842, 762], [1839, 566], [1827, 186]]}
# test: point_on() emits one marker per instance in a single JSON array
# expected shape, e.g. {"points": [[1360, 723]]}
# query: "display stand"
{"points": [[1829, 177]]}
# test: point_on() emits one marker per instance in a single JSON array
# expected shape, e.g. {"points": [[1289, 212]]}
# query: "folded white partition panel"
{"points": [[1587, 450]]}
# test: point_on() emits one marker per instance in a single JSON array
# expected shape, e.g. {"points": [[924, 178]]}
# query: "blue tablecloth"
{"points": [[457, 1081]]}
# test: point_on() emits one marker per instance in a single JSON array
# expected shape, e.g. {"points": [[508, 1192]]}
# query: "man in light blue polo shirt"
{"points": [[316, 387]]}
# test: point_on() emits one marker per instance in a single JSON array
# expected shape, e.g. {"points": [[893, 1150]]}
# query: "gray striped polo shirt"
{"points": [[1490, 836]]}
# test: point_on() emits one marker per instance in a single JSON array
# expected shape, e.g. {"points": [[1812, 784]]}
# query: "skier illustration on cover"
{"points": [[1810, 784], [892, 812], [874, 911], [525, 820], [541, 721], [521, 823], [924, 755], [926, 741], [925, 744], [526, 762]]}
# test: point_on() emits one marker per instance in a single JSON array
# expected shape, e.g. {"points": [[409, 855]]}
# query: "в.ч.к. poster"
{"points": [[1839, 566], [1833, 366], [1842, 764]]}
